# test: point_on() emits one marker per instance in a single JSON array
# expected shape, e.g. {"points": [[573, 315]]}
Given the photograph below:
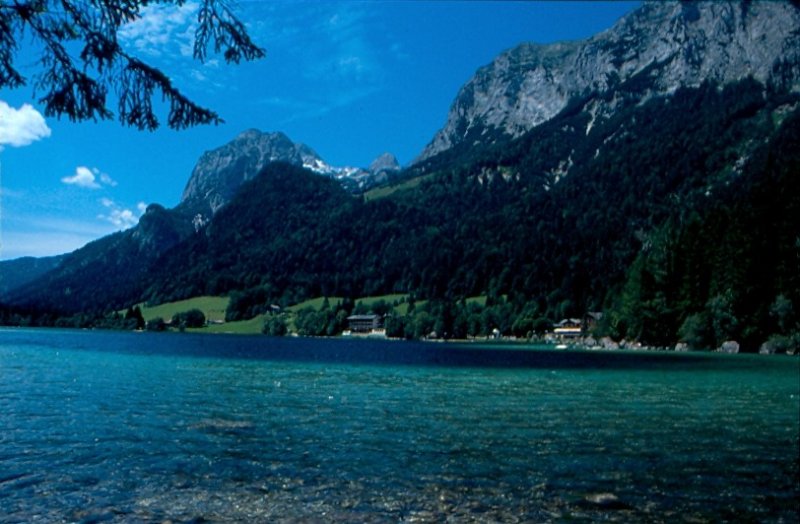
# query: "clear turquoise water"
{"points": [[125, 427]]}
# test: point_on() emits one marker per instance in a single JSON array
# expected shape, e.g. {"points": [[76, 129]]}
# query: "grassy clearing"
{"points": [[244, 327], [212, 307], [481, 300], [400, 309], [369, 301], [403, 308], [385, 191], [314, 303]]}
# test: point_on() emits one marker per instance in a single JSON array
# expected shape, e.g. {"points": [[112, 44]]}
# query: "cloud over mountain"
{"points": [[120, 217]]}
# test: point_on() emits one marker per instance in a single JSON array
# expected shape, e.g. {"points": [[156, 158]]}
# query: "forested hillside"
{"points": [[678, 218], [18, 272], [680, 210]]}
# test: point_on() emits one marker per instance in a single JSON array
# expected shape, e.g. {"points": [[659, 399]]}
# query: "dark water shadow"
{"points": [[369, 352]]}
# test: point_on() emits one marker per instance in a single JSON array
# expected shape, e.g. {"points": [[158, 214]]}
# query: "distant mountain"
{"points": [[675, 44], [219, 173], [18, 272], [105, 274], [385, 162], [108, 272]]}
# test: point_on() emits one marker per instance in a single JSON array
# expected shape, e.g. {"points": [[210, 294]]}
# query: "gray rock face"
{"points": [[679, 44], [219, 173], [385, 162]]}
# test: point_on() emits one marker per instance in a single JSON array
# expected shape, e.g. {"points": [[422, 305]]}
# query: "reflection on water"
{"points": [[114, 427]]}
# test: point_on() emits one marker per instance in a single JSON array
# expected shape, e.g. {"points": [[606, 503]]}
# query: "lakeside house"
{"points": [[365, 323], [569, 328], [573, 328]]}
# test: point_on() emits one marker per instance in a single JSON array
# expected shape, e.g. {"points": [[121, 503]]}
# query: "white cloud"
{"points": [[88, 178], [198, 75], [107, 180], [165, 33], [120, 217], [160, 27], [347, 55], [83, 177], [339, 50], [21, 127]]}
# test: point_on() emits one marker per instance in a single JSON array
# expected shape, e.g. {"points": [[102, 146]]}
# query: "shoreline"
{"points": [[508, 342]]}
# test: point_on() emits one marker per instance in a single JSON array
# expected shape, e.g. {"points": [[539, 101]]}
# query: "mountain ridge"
{"points": [[19, 271], [220, 172], [683, 44]]}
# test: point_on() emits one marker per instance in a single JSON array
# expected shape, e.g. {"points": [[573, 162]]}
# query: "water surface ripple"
{"points": [[124, 427]]}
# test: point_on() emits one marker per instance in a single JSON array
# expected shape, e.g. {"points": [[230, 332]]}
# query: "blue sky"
{"points": [[350, 79]]}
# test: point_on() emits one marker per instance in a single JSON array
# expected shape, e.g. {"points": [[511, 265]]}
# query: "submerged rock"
{"points": [[604, 501]]}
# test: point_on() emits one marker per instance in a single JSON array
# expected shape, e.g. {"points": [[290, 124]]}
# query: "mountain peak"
{"points": [[219, 173], [385, 162], [676, 44], [252, 136]]}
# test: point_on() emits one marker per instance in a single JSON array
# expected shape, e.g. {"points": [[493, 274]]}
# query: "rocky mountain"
{"points": [[675, 44], [385, 162], [219, 173]]}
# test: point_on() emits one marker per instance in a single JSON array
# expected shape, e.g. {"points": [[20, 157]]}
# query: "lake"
{"points": [[140, 427]]}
